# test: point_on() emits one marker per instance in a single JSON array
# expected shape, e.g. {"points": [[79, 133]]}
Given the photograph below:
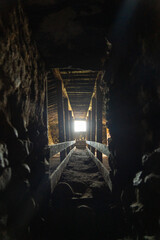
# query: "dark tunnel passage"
{"points": [[67, 62]]}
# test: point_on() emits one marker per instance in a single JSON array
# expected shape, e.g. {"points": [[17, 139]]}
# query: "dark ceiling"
{"points": [[72, 33]]}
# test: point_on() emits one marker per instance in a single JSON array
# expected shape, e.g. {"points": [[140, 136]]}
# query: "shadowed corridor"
{"points": [[63, 61]]}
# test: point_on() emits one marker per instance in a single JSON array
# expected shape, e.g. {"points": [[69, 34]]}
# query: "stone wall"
{"points": [[133, 106], [23, 132], [133, 86]]}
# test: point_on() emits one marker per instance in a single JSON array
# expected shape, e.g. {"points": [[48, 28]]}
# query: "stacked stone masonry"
{"points": [[23, 133]]}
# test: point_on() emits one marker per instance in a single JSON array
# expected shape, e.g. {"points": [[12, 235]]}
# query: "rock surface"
{"points": [[146, 209], [133, 106], [23, 133], [84, 203]]}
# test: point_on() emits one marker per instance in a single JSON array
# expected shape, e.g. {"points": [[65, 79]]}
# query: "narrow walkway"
{"points": [[81, 202], [81, 206], [83, 176]]}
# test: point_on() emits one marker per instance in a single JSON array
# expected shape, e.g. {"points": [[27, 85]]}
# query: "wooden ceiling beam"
{"points": [[78, 72], [79, 78], [79, 91], [79, 83]]}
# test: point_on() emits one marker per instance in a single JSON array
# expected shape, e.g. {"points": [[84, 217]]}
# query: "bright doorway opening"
{"points": [[79, 126]]}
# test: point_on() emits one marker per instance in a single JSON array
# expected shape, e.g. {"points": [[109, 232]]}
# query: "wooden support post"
{"points": [[93, 122], [60, 117], [99, 117], [90, 127], [70, 126], [87, 122], [66, 121], [45, 112]]}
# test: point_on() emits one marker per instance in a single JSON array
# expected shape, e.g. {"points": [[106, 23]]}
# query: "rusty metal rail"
{"points": [[102, 169], [99, 146], [51, 151], [56, 175], [56, 148]]}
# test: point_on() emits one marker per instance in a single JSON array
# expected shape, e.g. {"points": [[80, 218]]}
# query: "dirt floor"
{"points": [[80, 207], [82, 174], [55, 161]]}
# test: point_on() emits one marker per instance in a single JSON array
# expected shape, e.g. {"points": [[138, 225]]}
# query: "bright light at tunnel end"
{"points": [[79, 126]]}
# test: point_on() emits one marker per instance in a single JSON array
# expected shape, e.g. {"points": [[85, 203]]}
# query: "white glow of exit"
{"points": [[79, 126]]}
